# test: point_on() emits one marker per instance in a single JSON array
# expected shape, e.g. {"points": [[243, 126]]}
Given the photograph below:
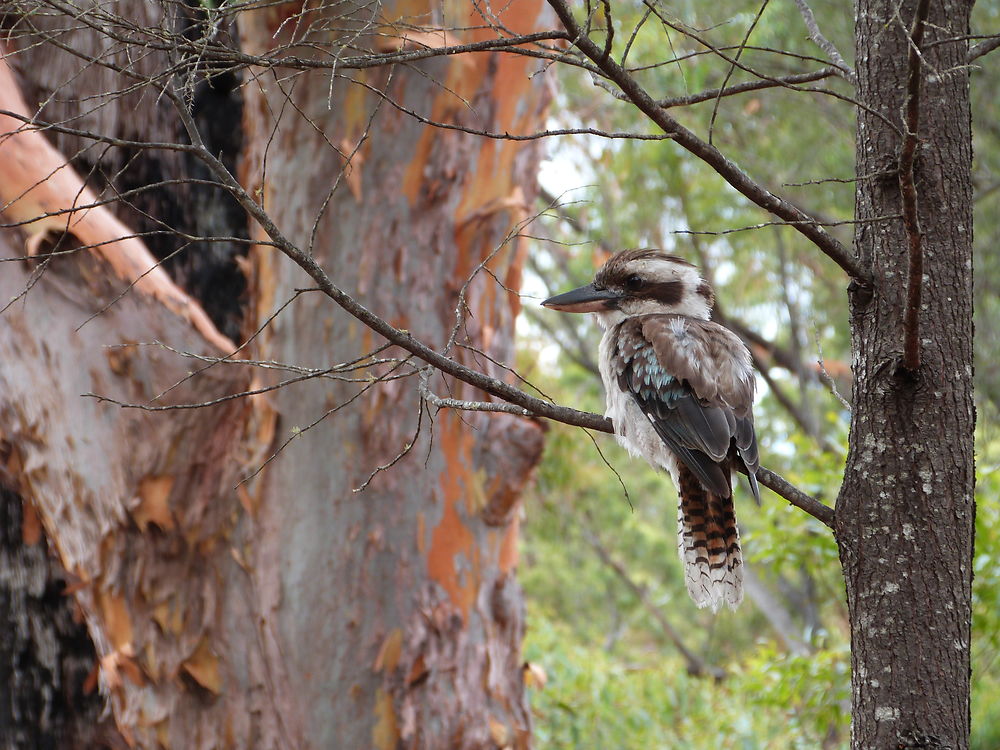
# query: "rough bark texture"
{"points": [[292, 612], [905, 513], [133, 503]]}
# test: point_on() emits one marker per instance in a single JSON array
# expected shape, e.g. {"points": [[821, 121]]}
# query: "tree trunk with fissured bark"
{"points": [[905, 513]]}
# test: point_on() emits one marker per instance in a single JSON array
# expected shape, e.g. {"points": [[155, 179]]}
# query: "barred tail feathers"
{"points": [[709, 544]]}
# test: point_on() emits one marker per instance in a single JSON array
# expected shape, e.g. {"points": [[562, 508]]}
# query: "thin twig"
{"points": [[823, 43], [732, 68], [826, 378], [908, 191], [36, 274], [708, 153], [742, 88], [399, 456], [635, 33]]}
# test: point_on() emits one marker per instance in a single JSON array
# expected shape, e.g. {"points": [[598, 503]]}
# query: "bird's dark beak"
{"points": [[584, 299]]}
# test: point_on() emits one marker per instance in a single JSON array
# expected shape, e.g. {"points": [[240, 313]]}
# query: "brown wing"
{"points": [[692, 379]]}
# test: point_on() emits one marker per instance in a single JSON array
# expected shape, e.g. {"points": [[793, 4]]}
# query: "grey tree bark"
{"points": [[905, 512]]}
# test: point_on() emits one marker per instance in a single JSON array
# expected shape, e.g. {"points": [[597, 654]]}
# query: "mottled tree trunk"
{"points": [[905, 513], [397, 605], [291, 611]]}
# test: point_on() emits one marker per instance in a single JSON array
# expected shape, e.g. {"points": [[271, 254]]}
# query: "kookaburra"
{"points": [[679, 391]]}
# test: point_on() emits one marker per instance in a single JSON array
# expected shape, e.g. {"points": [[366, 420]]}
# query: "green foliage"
{"points": [[616, 680], [986, 613], [596, 699]]}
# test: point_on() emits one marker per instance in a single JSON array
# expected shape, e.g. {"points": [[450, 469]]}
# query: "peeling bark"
{"points": [[290, 611], [402, 596], [133, 503], [48, 698]]}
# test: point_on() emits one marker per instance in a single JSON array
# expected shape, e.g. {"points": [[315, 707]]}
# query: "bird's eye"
{"points": [[633, 283]]}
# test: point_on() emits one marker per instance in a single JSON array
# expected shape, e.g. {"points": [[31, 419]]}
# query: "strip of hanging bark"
{"points": [[908, 192], [42, 193]]}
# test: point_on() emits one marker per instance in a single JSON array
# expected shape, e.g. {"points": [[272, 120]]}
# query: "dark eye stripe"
{"points": [[667, 292]]}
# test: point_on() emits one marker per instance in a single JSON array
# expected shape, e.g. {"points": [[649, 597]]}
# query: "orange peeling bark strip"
{"points": [[385, 733], [451, 537], [421, 533], [203, 666], [154, 506], [36, 182], [31, 524], [508, 545], [389, 652], [116, 618]]}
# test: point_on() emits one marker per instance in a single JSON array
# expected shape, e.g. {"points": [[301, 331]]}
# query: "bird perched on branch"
{"points": [[680, 391]]}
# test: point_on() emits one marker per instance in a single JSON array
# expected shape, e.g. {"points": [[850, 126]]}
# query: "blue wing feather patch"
{"points": [[702, 435]]}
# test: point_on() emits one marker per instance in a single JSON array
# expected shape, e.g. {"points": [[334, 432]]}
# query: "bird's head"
{"points": [[638, 282]]}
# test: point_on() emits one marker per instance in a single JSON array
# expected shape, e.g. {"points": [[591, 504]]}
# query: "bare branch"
{"points": [[742, 88], [613, 135], [708, 153], [827, 379], [823, 43], [795, 496], [983, 48], [908, 191], [635, 33], [732, 67], [492, 407]]}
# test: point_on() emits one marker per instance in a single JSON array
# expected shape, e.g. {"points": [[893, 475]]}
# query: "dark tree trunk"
{"points": [[906, 510], [48, 690]]}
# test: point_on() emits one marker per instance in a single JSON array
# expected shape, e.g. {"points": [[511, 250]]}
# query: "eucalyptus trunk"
{"points": [[306, 606]]}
